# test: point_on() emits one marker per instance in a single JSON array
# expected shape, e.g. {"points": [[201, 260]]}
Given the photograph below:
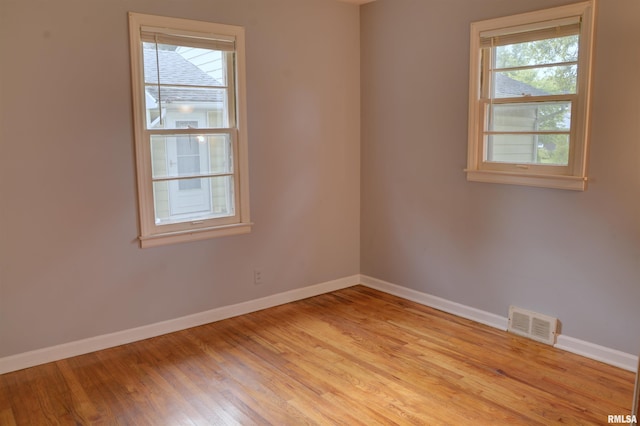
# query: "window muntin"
{"points": [[529, 100], [188, 79]]}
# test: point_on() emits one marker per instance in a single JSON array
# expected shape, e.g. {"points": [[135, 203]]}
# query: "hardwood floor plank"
{"points": [[354, 357]]}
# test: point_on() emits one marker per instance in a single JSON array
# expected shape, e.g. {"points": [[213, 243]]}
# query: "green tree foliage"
{"points": [[550, 60]]}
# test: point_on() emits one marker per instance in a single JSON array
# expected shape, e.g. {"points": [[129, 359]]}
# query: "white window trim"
{"points": [[151, 234], [573, 177]]}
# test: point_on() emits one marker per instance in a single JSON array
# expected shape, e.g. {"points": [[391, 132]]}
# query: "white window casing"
{"points": [[201, 190], [486, 37]]}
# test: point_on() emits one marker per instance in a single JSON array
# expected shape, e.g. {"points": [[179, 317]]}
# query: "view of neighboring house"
{"points": [[512, 148], [186, 95]]}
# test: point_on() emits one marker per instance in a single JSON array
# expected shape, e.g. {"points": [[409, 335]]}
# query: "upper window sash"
{"points": [[214, 91]]}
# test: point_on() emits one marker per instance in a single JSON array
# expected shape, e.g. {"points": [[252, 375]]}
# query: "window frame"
{"points": [[573, 176], [151, 233]]}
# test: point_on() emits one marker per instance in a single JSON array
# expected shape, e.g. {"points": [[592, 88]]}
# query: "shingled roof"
{"points": [[175, 69], [507, 87]]}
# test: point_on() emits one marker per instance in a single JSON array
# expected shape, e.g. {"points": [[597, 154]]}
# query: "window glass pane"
{"points": [[211, 62], [181, 104], [538, 52], [553, 149], [184, 83], [554, 116], [528, 149], [556, 80], [184, 65], [200, 199], [188, 155], [533, 116], [511, 148]]}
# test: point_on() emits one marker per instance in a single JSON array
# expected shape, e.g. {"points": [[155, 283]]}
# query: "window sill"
{"points": [[194, 235], [574, 183]]}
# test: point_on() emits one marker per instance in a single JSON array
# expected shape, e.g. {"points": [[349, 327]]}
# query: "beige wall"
{"points": [[70, 266], [567, 254]]}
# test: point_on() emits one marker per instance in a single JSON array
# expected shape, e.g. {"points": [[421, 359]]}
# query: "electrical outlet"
{"points": [[257, 276]]}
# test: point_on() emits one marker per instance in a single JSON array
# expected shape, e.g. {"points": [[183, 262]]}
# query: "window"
{"points": [[529, 98], [190, 129]]}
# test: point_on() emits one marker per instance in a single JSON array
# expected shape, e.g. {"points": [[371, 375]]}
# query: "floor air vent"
{"points": [[533, 325]]}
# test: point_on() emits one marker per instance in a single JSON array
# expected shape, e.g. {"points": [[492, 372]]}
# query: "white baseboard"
{"points": [[439, 303], [589, 350], [54, 353], [92, 344], [599, 353]]}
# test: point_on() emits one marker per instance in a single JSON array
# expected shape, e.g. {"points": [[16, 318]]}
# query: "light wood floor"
{"points": [[355, 356]]}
